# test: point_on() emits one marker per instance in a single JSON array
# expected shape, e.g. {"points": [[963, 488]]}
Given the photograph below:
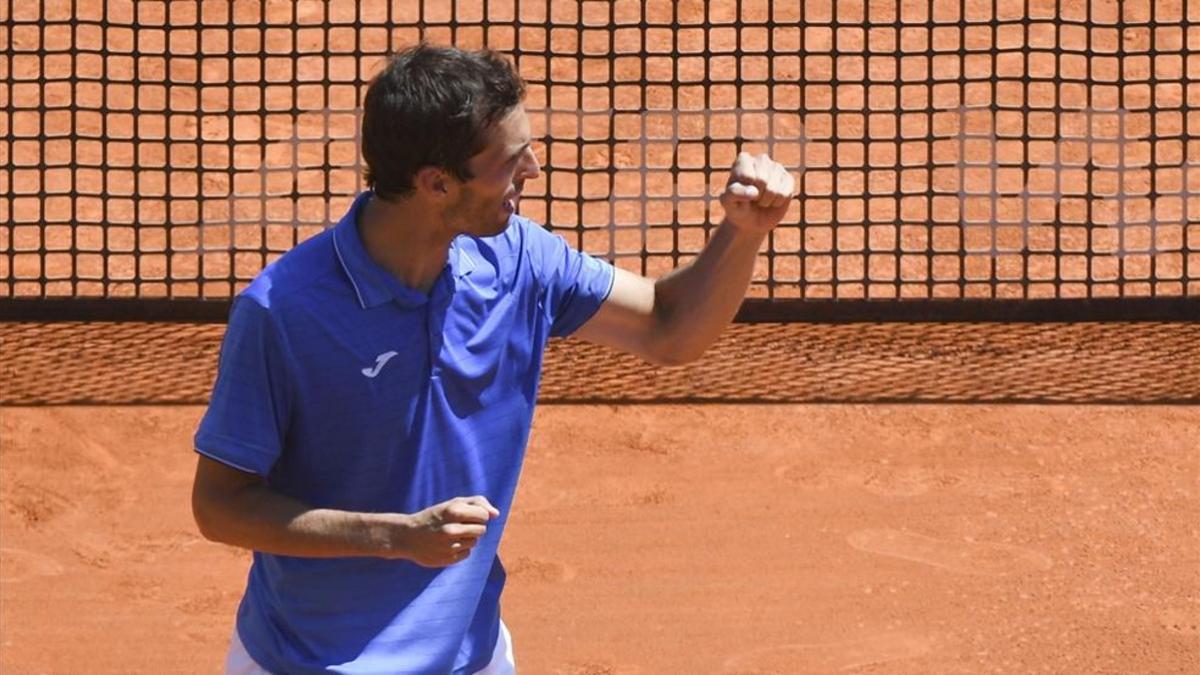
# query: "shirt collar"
{"points": [[374, 285]]}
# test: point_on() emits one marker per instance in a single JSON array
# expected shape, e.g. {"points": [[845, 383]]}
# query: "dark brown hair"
{"points": [[432, 106]]}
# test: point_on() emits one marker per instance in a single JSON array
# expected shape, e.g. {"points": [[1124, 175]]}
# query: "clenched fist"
{"points": [[445, 533], [758, 193]]}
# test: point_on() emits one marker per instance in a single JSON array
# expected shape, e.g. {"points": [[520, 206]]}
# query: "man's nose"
{"points": [[530, 168]]}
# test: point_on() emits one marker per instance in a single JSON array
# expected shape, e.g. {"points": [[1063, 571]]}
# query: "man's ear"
{"points": [[432, 182]]}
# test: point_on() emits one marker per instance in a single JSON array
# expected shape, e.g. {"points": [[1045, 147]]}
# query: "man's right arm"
{"points": [[238, 508]]}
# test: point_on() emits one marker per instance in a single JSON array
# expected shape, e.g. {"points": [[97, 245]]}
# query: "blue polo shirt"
{"points": [[346, 389]]}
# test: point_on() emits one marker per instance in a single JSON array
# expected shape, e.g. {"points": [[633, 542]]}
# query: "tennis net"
{"points": [[958, 156]]}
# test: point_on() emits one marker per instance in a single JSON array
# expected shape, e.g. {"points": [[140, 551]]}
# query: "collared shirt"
{"points": [[346, 389]]}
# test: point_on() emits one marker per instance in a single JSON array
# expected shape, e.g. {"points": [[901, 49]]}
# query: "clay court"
{"points": [[681, 538], [856, 479]]}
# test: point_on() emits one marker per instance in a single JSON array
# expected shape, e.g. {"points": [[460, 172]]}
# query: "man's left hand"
{"points": [[758, 193]]}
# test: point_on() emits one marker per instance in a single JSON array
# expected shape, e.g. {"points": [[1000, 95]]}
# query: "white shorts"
{"points": [[238, 662]]}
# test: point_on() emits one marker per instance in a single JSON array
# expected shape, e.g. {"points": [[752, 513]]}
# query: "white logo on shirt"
{"points": [[379, 363]]}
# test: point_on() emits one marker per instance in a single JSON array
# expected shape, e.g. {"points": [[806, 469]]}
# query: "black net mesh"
{"points": [[1012, 149], [954, 152]]}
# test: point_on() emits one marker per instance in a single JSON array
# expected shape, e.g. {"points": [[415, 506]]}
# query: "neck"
{"points": [[405, 240]]}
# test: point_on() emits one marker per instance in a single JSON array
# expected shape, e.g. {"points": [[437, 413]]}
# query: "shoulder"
{"points": [[304, 284], [296, 278]]}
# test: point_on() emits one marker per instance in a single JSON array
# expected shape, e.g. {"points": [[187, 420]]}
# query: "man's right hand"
{"points": [[445, 533], [235, 507]]}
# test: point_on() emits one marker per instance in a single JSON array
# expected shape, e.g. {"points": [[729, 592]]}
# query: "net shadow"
{"points": [[1127, 362]]}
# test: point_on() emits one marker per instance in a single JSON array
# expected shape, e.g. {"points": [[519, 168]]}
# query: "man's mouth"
{"points": [[510, 204]]}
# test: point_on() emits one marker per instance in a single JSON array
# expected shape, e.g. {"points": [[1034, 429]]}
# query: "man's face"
{"points": [[485, 202]]}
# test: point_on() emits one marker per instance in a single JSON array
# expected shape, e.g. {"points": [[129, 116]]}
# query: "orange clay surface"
{"points": [[679, 539]]}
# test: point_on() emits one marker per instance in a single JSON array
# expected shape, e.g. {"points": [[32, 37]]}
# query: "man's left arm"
{"points": [[672, 321]]}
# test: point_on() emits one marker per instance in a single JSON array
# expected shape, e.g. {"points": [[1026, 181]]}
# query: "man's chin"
{"points": [[502, 224]]}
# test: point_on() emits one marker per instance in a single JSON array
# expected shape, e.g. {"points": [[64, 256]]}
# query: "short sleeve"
{"points": [[574, 283], [246, 419]]}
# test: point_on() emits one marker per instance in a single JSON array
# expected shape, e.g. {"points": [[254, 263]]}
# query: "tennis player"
{"points": [[377, 383]]}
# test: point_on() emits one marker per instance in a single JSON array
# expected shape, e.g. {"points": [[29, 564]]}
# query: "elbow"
{"points": [[660, 341], [207, 516], [672, 354], [202, 515], [668, 345], [220, 496]]}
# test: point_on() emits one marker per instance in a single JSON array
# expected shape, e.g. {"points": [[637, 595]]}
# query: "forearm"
{"points": [[694, 304], [258, 518]]}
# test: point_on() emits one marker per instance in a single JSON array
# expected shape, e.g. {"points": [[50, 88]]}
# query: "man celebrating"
{"points": [[377, 383]]}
